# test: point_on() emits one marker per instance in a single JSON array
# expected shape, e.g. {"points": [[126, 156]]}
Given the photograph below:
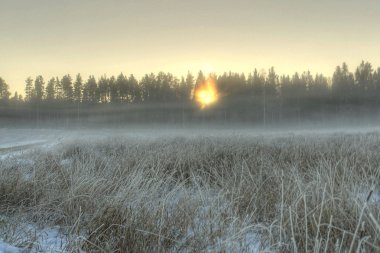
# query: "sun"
{"points": [[206, 93]]}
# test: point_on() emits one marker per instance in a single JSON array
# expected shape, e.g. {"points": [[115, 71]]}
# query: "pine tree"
{"points": [[67, 88], [114, 91], [78, 86], [122, 85], [200, 79], [271, 82], [343, 84], [147, 84], [39, 88], [103, 89], [91, 89], [189, 86], [50, 89], [58, 89], [135, 89], [257, 83], [4, 91], [29, 90], [364, 78]]}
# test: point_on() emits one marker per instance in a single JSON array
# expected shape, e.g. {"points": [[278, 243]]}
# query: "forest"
{"points": [[262, 98]]}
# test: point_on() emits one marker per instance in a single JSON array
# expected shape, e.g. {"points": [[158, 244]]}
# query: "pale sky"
{"points": [[57, 37]]}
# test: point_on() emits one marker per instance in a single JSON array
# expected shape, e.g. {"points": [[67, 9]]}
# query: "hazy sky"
{"points": [[57, 37]]}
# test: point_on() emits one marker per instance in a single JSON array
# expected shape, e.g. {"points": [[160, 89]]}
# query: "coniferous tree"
{"points": [[364, 79], [103, 87], [78, 86], [67, 87], [200, 79], [299, 86], [165, 82], [50, 90], [189, 85], [114, 91], [29, 90], [122, 84], [58, 89], [343, 84], [4, 91], [135, 91], [308, 79], [148, 88], [285, 91], [91, 92], [258, 83], [319, 88], [39, 88], [185, 87], [271, 83], [265, 97], [376, 81], [162, 87], [285, 86], [181, 90]]}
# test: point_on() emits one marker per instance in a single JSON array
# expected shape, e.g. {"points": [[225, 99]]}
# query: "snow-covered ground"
{"points": [[14, 142], [6, 248], [33, 239], [16, 139]]}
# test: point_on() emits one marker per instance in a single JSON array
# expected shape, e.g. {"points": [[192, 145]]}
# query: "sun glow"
{"points": [[206, 93]]}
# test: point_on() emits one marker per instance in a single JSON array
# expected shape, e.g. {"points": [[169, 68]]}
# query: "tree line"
{"points": [[262, 96]]}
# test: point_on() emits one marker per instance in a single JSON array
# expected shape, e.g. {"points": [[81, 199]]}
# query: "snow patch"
{"points": [[34, 239], [50, 240], [6, 248], [369, 195], [16, 144]]}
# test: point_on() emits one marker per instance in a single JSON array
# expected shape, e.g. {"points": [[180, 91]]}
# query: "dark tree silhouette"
{"points": [[4, 91], [39, 85], [50, 90], [29, 90], [67, 88], [262, 98], [78, 88]]}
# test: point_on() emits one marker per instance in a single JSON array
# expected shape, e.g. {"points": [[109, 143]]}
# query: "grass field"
{"points": [[231, 193]]}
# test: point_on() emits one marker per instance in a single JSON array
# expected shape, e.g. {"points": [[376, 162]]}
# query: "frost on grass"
{"points": [[17, 235], [207, 193]]}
